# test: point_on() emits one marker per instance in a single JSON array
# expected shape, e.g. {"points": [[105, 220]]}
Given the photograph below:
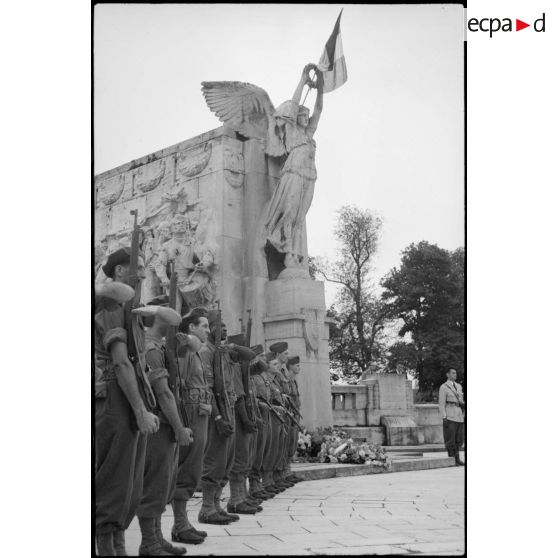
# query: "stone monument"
{"points": [[229, 208]]}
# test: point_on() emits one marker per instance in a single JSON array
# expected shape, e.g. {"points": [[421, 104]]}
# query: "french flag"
{"points": [[332, 62]]}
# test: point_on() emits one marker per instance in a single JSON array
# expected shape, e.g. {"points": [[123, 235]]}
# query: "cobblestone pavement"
{"points": [[418, 512]]}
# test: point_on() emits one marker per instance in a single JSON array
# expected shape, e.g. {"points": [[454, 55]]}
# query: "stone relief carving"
{"points": [[194, 262], [110, 190], [144, 182], [233, 163], [193, 162], [311, 329]]}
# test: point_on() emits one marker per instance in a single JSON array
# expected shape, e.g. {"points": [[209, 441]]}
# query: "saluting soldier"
{"points": [[196, 403], [245, 429], [293, 370], [219, 451], [263, 439], [451, 405], [161, 461], [122, 420]]}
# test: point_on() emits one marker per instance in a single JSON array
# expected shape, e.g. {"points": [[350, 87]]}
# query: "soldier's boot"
{"points": [[451, 452], [248, 498], [220, 510], [268, 484], [458, 459], [182, 531], [256, 489], [105, 544], [150, 545], [197, 531], [208, 513], [236, 505], [167, 546], [119, 542]]}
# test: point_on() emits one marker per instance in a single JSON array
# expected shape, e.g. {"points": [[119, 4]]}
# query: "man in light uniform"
{"points": [[451, 404]]}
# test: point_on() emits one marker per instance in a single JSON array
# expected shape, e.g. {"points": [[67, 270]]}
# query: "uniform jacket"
{"points": [[451, 392]]}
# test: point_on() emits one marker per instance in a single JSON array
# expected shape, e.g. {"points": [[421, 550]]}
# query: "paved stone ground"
{"points": [[416, 512]]}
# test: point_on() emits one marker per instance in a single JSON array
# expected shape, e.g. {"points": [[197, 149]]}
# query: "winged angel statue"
{"points": [[285, 132]]}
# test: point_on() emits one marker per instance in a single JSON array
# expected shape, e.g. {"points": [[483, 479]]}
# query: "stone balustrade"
{"points": [[386, 401]]}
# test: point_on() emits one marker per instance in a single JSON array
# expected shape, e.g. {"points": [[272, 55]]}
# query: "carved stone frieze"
{"points": [[194, 161], [149, 177], [110, 190], [233, 164]]}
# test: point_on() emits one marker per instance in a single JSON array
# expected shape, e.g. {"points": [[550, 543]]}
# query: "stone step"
{"points": [[317, 471]]}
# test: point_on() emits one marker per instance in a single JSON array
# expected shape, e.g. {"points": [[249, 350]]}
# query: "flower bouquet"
{"points": [[333, 446]]}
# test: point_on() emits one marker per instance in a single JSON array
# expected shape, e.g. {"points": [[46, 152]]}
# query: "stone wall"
{"points": [[386, 400]]}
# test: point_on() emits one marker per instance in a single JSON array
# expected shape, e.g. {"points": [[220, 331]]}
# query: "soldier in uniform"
{"points": [[281, 351], [245, 429], [197, 405], [121, 417], [452, 405], [161, 460], [278, 428], [293, 370], [219, 452], [262, 440]]}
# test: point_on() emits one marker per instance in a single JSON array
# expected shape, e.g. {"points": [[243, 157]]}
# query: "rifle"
{"points": [[288, 413], [276, 413], [245, 369], [293, 408], [136, 341], [172, 360], [291, 416], [218, 384]]}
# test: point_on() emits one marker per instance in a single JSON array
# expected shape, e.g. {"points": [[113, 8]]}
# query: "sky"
{"points": [[391, 139]]}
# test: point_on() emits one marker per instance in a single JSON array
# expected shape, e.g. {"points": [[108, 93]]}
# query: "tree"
{"points": [[427, 294], [358, 314]]}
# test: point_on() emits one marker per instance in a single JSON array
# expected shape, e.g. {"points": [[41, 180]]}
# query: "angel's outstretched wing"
{"points": [[244, 107]]}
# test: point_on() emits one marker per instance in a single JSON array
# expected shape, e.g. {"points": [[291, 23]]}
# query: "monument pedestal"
{"points": [[295, 313]]}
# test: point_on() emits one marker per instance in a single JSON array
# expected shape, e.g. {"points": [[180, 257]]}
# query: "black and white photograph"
{"points": [[279, 273]]}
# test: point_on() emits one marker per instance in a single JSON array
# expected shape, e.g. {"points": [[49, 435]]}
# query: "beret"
{"points": [[120, 257], [258, 349], [270, 356], [279, 347], [293, 360], [238, 339]]}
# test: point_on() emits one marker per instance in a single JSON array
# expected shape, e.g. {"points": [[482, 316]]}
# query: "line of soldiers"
{"points": [[180, 405]]}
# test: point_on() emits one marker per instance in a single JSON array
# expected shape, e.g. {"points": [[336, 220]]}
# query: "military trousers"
{"points": [[453, 436], [271, 455], [281, 461], [119, 461], [241, 461], [190, 458], [293, 441], [219, 455], [261, 444], [160, 472]]}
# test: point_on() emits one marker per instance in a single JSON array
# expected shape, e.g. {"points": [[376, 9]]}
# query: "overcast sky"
{"points": [[390, 139]]}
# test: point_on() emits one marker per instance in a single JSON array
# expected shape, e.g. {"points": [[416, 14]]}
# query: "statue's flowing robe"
{"points": [[293, 195]]}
